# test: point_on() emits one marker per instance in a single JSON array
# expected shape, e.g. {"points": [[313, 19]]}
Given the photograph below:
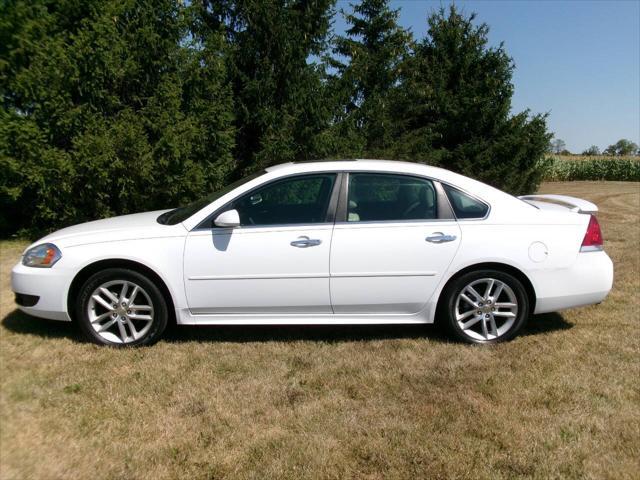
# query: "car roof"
{"points": [[391, 166], [355, 164]]}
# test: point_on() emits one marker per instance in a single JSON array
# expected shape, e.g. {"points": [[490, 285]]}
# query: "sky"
{"points": [[577, 60]]}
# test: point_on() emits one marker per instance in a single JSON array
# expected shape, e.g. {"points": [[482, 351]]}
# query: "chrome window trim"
{"points": [[255, 227], [403, 222]]}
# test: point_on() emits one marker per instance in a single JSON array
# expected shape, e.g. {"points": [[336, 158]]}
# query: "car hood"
{"points": [[126, 227]]}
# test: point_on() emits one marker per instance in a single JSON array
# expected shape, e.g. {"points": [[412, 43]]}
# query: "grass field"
{"points": [[561, 401]]}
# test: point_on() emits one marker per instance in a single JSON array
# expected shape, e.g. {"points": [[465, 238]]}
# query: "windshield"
{"points": [[180, 214]]}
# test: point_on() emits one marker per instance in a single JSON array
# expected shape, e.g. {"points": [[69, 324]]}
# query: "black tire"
{"points": [[158, 303], [455, 288]]}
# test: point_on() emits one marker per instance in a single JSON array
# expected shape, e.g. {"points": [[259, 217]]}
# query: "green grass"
{"points": [[561, 401]]}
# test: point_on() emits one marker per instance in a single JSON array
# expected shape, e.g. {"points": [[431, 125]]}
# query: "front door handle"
{"points": [[304, 242], [439, 237]]}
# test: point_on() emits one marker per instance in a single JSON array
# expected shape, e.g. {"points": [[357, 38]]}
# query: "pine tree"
{"points": [[453, 107], [114, 106], [107, 109], [373, 49], [278, 93]]}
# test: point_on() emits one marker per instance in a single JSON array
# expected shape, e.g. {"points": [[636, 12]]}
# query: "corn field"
{"points": [[603, 168]]}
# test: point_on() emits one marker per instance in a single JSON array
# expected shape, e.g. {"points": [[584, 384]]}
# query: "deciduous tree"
{"points": [[557, 145], [593, 150], [622, 147]]}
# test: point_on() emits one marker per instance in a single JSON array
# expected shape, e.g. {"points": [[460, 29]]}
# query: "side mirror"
{"points": [[228, 219]]}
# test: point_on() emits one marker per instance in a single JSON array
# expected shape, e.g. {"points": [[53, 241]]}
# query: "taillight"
{"points": [[593, 238]]}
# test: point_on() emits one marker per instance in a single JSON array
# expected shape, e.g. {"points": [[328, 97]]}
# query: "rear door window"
{"points": [[390, 197], [465, 206]]}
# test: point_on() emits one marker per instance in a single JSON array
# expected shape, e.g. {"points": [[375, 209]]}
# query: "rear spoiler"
{"points": [[572, 203]]}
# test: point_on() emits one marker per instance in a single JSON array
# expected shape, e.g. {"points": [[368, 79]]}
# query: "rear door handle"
{"points": [[304, 242], [439, 237]]}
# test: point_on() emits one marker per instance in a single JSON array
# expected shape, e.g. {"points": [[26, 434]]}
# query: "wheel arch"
{"points": [[88, 270], [502, 267]]}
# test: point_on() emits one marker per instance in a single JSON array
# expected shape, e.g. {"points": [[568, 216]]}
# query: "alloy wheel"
{"points": [[120, 311], [486, 309]]}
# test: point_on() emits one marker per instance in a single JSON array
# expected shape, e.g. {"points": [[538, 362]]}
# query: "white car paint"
{"points": [[257, 271], [388, 267], [563, 201], [359, 273]]}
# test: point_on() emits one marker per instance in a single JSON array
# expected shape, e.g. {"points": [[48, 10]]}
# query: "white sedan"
{"points": [[334, 243]]}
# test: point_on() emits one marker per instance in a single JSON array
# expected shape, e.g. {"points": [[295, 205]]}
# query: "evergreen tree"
{"points": [[106, 109], [453, 107], [367, 66], [278, 93], [114, 106]]}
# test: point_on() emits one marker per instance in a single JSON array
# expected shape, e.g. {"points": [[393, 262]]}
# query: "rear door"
{"points": [[393, 241]]}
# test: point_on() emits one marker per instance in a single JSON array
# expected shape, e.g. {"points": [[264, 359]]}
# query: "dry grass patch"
{"points": [[562, 400]]}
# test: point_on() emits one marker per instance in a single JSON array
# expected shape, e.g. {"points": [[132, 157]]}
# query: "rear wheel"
{"points": [[121, 307], [486, 306]]}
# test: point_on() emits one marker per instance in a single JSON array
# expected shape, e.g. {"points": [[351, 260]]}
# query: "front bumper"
{"points": [[50, 285], [587, 281]]}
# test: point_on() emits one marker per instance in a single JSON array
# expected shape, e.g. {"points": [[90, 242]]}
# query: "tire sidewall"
{"points": [[156, 296], [464, 280]]}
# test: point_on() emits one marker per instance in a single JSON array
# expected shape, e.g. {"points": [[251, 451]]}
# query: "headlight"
{"points": [[42, 256]]}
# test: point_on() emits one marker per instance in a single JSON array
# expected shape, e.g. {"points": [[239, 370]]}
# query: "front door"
{"points": [[390, 253], [275, 262]]}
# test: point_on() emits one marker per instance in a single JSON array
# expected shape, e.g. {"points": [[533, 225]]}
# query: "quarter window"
{"points": [[295, 200], [382, 197], [464, 206]]}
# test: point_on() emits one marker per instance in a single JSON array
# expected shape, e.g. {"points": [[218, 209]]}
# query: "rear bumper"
{"points": [[49, 285], [587, 281]]}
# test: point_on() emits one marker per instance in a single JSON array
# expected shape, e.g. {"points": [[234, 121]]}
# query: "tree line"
{"points": [[622, 148], [116, 106]]}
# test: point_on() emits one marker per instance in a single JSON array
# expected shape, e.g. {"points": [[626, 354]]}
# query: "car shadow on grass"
{"points": [[537, 324], [545, 323], [292, 333], [20, 323]]}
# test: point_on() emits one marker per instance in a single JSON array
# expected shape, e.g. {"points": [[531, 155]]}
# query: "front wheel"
{"points": [[486, 306], [121, 307]]}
